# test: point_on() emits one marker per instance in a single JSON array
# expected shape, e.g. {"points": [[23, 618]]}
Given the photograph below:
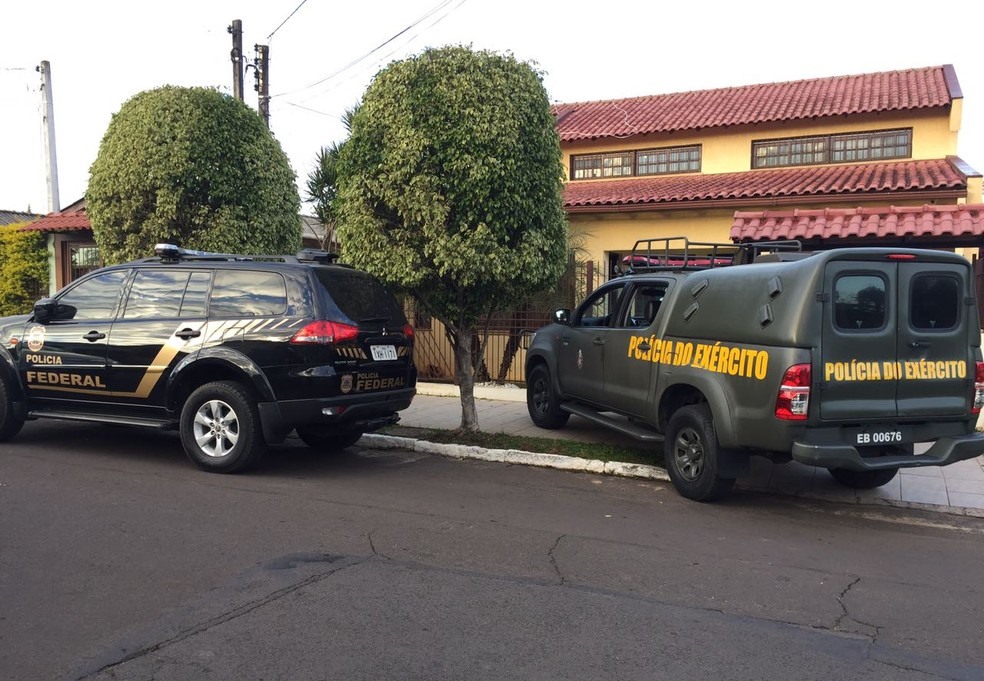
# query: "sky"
{"points": [[324, 54]]}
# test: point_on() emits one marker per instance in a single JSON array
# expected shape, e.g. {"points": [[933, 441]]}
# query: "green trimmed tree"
{"points": [[195, 167], [450, 188], [23, 269]]}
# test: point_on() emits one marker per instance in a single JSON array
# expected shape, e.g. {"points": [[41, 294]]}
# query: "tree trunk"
{"points": [[466, 377]]}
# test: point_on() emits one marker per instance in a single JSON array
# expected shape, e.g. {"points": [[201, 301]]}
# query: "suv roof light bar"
{"points": [[173, 253]]}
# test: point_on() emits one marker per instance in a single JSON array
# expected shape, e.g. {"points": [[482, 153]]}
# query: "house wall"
{"points": [[730, 150]]}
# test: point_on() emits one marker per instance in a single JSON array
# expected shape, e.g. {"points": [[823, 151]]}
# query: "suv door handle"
{"points": [[185, 334], [93, 336]]}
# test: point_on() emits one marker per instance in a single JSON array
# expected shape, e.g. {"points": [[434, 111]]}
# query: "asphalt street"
{"points": [[119, 560]]}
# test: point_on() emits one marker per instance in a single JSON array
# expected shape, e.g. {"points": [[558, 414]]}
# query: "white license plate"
{"points": [[382, 353]]}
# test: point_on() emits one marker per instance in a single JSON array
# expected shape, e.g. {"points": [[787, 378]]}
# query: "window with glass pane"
{"points": [[600, 308], [240, 293], [860, 302], [94, 298], [668, 160], [844, 148], [934, 302], [155, 293]]}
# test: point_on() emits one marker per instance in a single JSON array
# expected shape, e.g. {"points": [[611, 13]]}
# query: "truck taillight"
{"points": [[978, 389], [325, 333], [793, 402]]}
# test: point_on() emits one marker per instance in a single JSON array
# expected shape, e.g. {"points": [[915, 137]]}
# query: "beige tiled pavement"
{"points": [[956, 488]]}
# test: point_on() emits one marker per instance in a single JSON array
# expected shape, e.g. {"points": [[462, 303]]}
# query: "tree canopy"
{"points": [[450, 187], [194, 167]]}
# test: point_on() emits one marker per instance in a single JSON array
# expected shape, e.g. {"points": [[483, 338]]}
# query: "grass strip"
{"points": [[542, 445]]}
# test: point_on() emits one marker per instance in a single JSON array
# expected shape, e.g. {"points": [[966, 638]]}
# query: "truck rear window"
{"points": [[859, 302], [934, 302]]}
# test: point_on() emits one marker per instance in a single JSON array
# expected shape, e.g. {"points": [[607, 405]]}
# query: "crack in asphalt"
{"points": [[372, 547], [846, 616], [235, 613], [553, 560]]}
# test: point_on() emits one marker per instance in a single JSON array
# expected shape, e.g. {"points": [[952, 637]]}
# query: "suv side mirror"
{"points": [[44, 310], [562, 317]]}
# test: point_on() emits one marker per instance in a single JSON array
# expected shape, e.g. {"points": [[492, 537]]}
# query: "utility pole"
{"points": [[236, 29], [49, 136], [263, 81]]}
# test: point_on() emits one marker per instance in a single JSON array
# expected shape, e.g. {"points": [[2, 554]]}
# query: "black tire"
{"points": [[541, 400], [220, 428], [326, 439], [863, 479], [691, 453], [10, 425]]}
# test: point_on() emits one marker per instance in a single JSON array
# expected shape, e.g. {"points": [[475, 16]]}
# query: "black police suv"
{"points": [[234, 352]]}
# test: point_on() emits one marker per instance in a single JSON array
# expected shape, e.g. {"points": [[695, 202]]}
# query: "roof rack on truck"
{"points": [[680, 253]]}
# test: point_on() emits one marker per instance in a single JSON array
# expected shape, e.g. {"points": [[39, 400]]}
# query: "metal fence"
{"points": [[509, 333]]}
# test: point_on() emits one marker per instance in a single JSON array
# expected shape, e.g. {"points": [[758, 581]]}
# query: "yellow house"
{"points": [[846, 160]]}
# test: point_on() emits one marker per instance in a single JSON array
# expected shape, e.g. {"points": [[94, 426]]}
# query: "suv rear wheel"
{"points": [[691, 453], [220, 428]]}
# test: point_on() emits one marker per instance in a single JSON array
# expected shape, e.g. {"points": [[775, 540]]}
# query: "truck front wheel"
{"points": [[541, 400], [691, 453]]}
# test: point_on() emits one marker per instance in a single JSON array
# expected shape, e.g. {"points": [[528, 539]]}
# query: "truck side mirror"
{"points": [[562, 317]]}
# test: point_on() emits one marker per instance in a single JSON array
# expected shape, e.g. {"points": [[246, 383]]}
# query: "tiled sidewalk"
{"points": [[957, 488]]}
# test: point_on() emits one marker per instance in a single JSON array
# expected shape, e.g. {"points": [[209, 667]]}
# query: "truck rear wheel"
{"points": [[691, 453], [541, 400], [863, 479]]}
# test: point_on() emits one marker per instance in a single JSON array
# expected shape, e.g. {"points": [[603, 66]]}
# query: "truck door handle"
{"points": [[185, 334], [598, 341], [644, 345], [93, 336], [918, 344]]}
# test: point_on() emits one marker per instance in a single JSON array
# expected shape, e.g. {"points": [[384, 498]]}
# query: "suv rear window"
{"points": [[359, 296]]}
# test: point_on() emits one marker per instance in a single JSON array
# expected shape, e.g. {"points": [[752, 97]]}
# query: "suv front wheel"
{"points": [[220, 428]]}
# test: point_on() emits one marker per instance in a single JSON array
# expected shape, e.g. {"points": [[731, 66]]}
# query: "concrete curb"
{"points": [[615, 468], [516, 456]]}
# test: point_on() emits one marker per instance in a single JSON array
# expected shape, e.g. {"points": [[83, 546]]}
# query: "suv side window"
{"points": [[94, 298], [157, 293], [860, 302], [239, 293], [599, 309], [935, 302]]}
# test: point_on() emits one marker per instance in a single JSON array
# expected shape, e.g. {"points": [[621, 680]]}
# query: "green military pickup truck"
{"points": [[842, 359]]}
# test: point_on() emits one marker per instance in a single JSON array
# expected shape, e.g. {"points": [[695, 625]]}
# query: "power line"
{"points": [[287, 19], [368, 54]]}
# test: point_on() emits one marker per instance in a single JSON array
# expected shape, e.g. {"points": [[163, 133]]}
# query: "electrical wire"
{"points": [[286, 20], [427, 15]]}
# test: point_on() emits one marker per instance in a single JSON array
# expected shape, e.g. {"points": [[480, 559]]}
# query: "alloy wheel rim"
{"points": [[216, 429]]}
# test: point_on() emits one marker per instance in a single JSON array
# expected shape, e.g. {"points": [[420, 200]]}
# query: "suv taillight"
{"points": [[408, 331], [325, 333], [793, 402], [978, 389]]}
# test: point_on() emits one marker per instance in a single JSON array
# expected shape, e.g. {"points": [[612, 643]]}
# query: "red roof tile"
{"points": [[921, 88], [859, 223], [73, 218], [784, 182]]}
